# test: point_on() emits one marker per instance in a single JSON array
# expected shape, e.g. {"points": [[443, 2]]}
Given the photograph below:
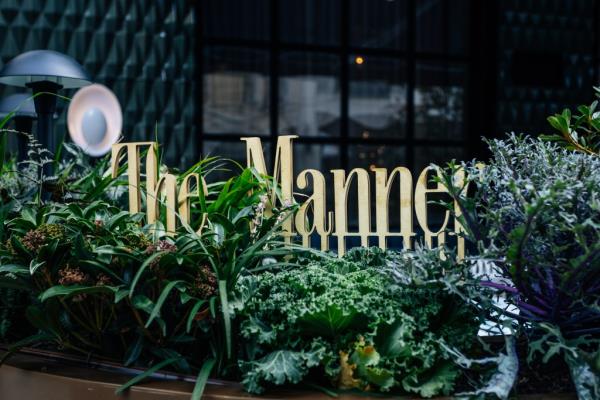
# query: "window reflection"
{"points": [[228, 151], [236, 91], [322, 157], [310, 21], [440, 155], [376, 156], [442, 26], [378, 23], [239, 19], [309, 94], [304, 56], [439, 101], [377, 104]]}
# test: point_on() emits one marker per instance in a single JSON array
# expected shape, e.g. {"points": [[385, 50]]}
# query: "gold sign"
{"points": [[312, 217]]}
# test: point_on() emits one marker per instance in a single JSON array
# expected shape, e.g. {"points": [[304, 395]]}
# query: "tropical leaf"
{"points": [[139, 378], [161, 300], [73, 290], [202, 378]]}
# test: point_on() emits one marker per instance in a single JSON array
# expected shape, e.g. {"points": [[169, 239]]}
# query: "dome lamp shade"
{"points": [[21, 109], [45, 72], [20, 104], [44, 66]]}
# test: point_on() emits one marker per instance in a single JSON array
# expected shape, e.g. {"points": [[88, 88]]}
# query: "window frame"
{"points": [[410, 56]]}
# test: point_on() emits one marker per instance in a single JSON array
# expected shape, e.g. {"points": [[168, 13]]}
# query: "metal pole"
{"points": [[45, 107]]}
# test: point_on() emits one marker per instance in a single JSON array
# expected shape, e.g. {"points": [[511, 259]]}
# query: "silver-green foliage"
{"points": [[535, 210]]}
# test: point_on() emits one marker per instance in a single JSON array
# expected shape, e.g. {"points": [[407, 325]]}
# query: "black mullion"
{"points": [[344, 81], [596, 41], [274, 77], [394, 141], [411, 68], [474, 109], [445, 30], [486, 61], [305, 47], [199, 77]]}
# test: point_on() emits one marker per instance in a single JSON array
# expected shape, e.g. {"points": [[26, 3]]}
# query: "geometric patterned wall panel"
{"points": [[143, 50], [546, 61]]}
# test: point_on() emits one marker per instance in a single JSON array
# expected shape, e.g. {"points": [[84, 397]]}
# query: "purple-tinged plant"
{"points": [[535, 211]]}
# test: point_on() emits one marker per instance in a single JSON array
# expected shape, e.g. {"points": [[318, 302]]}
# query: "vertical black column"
{"points": [[274, 78], [22, 124], [344, 81], [596, 42], [410, 88], [199, 80], [482, 77]]}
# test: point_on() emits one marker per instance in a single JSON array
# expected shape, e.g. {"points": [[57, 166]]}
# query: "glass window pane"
{"points": [[236, 91], [375, 156], [309, 94], [378, 23], [310, 21], [377, 104], [322, 157], [440, 101], [440, 155], [442, 26], [236, 19], [369, 156], [230, 150]]}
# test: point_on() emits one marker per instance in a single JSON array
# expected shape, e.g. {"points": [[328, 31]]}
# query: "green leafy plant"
{"points": [[578, 132], [99, 282], [535, 213], [371, 320]]}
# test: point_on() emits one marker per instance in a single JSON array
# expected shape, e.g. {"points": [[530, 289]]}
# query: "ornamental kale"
{"points": [[372, 320]]}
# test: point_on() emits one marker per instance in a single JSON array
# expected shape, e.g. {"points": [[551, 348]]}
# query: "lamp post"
{"points": [[45, 72], [23, 109]]}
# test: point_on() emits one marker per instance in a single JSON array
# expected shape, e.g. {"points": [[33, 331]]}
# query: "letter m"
{"points": [[283, 171]]}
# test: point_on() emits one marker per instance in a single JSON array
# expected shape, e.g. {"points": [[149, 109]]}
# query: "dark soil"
{"points": [[539, 377]]}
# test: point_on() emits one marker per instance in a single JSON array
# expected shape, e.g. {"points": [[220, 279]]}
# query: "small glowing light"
{"points": [[365, 134], [359, 60]]}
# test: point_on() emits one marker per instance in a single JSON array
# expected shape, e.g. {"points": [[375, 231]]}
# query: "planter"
{"points": [[38, 375], [48, 376]]}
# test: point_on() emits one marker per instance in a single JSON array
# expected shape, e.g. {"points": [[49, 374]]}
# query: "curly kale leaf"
{"points": [[329, 321], [438, 379], [379, 318], [279, 367], [504, 369], [366, 360]]}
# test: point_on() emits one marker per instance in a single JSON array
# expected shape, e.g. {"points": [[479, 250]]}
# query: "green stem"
{"points": [[141, 323], [226, 316], [84, 341], [73, 347]]}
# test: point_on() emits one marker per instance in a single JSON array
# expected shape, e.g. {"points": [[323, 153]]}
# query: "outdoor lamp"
{"points": [[95, 119], [44, 71], [23, 109]]}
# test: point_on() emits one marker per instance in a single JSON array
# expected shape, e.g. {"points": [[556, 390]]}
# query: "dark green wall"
{"points": [[143, 50]]}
